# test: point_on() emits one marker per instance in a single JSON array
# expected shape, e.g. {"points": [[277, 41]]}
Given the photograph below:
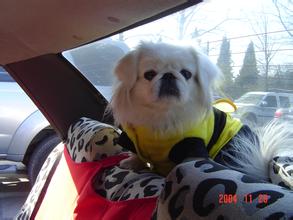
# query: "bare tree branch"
{"points": [[290, 13], [213, 28]]}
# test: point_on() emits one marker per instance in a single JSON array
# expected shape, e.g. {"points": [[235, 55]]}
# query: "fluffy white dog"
{"points": [[163, 101]]}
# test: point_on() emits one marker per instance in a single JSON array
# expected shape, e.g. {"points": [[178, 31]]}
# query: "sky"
{"points": [[240, 19]]}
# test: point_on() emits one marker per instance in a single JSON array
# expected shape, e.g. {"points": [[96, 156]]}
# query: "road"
{"points": [[14, 188]]}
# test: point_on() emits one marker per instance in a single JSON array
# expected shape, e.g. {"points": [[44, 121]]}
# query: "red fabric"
{"points": [[90, 205]]}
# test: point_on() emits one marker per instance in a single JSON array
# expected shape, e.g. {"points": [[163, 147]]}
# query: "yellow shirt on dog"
{"points": [[154, 148]]}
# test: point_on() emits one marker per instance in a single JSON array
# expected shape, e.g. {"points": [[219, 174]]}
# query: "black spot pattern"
{"points": [[283, 185], [79, 134], [176, 204], [101, 192], [285, 174], [249, 179], [276, 168], [147, 181], [215, 166], [275, 216], [119, 178], [74, 154], [202, 190], [179, 175], [76, 125], [109, 171], [115, 141], [103, 141], [84, 125], [96, 128], [125, 197], [167, 190], [86, 148], [72, 142], [150, 190], [273, 197], [80, 144]]}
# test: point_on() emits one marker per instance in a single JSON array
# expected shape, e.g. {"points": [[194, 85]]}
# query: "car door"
{"points": [[15, 106], [269, 106], [285, 105]]}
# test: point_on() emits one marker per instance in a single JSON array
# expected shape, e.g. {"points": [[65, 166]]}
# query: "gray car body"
{"points": [[260, 112], [20, 122], [285, 114]]}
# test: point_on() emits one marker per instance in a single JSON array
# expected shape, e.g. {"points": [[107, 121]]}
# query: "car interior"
{"points": [[33, 37]]}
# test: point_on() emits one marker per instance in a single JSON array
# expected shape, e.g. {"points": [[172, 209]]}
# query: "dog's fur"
{"points": [[141, 99]]}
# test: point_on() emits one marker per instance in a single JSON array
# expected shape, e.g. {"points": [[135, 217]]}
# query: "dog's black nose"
{"points": [[168, 76], [169, 86]]}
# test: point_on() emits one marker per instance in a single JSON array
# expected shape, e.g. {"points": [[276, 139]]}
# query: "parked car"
{"points": [[25, 134], [260, 107]]}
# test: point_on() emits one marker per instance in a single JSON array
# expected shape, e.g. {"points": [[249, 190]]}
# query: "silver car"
{"points": [[25, 134], [260, 107]]}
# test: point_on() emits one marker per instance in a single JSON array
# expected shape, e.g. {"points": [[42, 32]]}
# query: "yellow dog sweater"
{"points": [[214, 133]]}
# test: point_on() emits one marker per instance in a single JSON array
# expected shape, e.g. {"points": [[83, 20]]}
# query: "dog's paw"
{"points": [[132, 163]]}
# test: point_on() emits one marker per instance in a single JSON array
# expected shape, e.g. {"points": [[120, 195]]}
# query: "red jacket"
{"points": [[71, 195]]}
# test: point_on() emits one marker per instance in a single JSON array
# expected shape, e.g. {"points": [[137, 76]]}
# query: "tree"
{"points": [[96, 61], [187, 21], [265, 44], [283, 77], [285, 14], [224, 62], [247, 79]]}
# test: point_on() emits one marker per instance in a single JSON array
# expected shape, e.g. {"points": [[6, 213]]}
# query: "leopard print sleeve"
{"points": [[214, 191]]}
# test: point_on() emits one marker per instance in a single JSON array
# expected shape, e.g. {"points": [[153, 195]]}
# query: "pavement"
{"points": [[14, 188]]}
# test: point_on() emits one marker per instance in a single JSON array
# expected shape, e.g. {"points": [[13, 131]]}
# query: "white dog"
{"points": [[163, 101]]}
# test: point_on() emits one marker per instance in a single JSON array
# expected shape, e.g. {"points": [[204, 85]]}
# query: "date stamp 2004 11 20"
{"points": [[248, 198]]}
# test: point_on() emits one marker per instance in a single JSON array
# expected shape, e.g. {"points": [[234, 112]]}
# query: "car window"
{"points": [[250, 99], [255, 59], [4, 76], [271, 101], [97, 60], [284, 102]]}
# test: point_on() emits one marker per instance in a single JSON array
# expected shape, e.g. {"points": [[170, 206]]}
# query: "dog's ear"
{"points": [[207, 70], [206, 74], [126, 70], [126, 76]]}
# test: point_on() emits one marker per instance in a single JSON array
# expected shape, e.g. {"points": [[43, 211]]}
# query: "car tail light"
{"points": [[278, 114]]}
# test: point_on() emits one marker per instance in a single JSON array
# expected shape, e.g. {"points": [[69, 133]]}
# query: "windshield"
{"points": [[250, 99], [250, 41]]}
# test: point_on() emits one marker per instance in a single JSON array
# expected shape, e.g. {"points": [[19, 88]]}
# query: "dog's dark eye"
{"points": [[149, 75], [186, 73]]}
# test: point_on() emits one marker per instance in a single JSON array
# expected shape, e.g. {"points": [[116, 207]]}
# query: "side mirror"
{"points": [[264, 104]]}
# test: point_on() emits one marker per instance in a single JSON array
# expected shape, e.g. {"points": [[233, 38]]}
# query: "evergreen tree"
{"points": [[247, 79], [224, 62]]}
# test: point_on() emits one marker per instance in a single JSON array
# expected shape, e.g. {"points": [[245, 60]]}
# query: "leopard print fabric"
{"points": [[31, 201], [89, 140], [220, 193], [281, 171]]}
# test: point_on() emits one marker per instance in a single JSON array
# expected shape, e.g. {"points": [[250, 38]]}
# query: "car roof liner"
{"points": [[28, 28], [56, 87]]}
